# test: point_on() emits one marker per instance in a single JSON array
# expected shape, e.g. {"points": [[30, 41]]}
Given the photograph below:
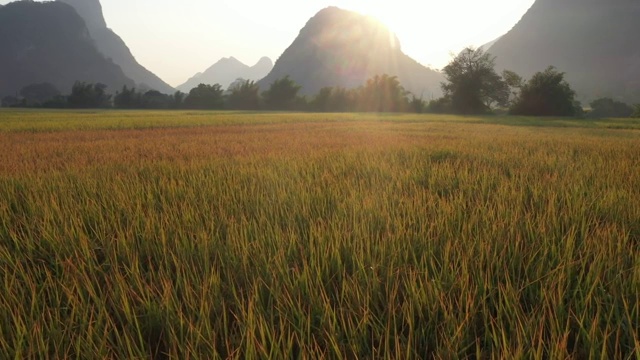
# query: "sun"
{"points": [[407, 23], [383, 11], [428, 31]]}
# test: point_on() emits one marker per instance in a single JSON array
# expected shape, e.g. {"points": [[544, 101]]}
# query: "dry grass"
{"points": [[288, 236]]}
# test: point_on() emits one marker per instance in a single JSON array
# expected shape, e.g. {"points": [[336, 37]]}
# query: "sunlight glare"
{"points": [[425, 29]]}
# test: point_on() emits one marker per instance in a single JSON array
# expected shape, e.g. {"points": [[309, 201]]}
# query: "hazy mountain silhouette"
{"points": [[49, 42], [343, 48], [113, 47], [226, 71], [594, 41], [487, 47]]}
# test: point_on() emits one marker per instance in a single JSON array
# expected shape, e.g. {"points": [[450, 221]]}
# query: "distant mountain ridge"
{"points": [[595, 42], [113, 47], [49, 42], [343, 48], [226, 71], [487, 47]]}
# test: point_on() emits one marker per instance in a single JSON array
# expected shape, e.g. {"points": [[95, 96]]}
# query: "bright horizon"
{"points": [[175, 40]]}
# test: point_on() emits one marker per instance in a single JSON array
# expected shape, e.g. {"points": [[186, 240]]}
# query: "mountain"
{"points": [[343, 48], [594, 41], [113, 47], [49, 42], [487, 47], [226, 71]]}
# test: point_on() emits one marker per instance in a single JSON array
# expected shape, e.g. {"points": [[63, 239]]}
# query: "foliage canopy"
{"points": [[547, 94], [282, 94], [244, 95], [205, 96], [473, 84], [89, 96], [607, 107]]}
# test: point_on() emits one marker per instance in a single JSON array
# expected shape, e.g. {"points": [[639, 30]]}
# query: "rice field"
{"points": [[220, 235]]}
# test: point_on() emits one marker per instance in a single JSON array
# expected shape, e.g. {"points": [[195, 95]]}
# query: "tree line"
{"points": [[381, 93], [473, 87]]}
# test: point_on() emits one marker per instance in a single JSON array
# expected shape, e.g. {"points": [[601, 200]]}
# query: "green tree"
{"points": [[128, 98], [322, 101], [333, 99], [244, 95], [636, 111], [38, 94], [282, 95], [383, 94], [514, 83], [547, 94], [473, 84], [89, 96], [417, 105], [205, 97], [343, 100], [178, 100], [57, 102], [154, 99], [607, 107]]}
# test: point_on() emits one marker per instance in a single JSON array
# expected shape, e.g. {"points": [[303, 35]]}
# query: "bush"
{"points": [[607, 107], [440, 106]]}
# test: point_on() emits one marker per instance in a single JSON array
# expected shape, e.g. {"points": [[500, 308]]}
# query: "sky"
{"points": [[176, 39]]}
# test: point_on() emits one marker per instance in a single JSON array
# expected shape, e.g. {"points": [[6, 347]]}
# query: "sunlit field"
{"points": [[196, 235]]}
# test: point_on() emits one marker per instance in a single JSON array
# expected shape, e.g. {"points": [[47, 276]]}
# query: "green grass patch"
{"points": [[33, 120]]}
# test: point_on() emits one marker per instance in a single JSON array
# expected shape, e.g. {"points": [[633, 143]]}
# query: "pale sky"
{"points": [[177, 38]]}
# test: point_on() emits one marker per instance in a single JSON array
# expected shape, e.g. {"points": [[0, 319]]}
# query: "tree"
{"points": [[547, 94], [38, 94], [12, 101], [636, 111], [178, 100], [322, 101], [473, 84], [126, 99], [89, 96], [343, 100], [333, 99], [244, 95], [150, 99], [607, 107], [514, 83], [237, 82], [282, 94], [205, 97], [417, 105], [57, 102], [383, 94], [154, 99], [440, 106]]}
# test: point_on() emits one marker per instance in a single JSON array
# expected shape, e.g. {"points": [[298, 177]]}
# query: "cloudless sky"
{"points": [[177, 38]]}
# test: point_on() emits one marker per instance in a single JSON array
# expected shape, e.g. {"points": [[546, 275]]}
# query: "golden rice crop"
{"points": [[245, 235]]}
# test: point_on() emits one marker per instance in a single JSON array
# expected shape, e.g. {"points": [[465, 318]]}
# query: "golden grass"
{"points": [[308, 236]]}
